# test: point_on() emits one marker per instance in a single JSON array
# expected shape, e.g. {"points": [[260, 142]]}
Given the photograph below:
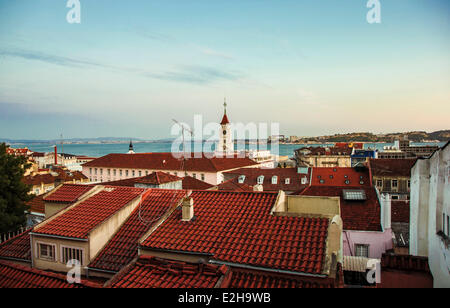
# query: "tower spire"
{"points": [[225, 105]]}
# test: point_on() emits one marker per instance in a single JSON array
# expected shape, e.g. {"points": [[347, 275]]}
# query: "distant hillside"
{"points": [[416, 136]]}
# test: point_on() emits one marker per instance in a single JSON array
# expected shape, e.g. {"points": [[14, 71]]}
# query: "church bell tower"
{"points": [[225, 139]]}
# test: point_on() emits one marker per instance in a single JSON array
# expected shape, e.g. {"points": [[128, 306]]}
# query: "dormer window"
{"points": [[347, 182], [241, 179], [260, 179], [287, 181], [304, 180], [274, 179]]}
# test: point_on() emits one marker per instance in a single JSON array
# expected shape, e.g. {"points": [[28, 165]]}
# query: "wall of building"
{"points": [[430, 202], [57, 265], [378, 242]]}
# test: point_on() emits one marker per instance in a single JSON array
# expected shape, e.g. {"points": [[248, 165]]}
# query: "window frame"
{"points": [[46, 258], [366, 246], [62, 247]]}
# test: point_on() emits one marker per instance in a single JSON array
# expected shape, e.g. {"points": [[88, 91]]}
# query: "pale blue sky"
{"points": [[316, 67]]}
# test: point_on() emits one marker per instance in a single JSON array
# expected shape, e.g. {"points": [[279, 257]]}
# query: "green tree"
{"points": [[13, 192]]}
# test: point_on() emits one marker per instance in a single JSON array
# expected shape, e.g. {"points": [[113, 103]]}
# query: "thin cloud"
{"points": [[187, 74], [197, 75], [51, 59], [215, 53]]}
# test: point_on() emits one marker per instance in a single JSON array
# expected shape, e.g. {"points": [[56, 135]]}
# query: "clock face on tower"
{"points": [[224, 132]]}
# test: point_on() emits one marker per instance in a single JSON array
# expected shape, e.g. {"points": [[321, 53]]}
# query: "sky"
{"points": [[130, 67]]}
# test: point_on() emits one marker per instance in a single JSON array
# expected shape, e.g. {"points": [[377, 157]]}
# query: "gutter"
{"points": [[267, 269], [60, 237], [16, 259]]}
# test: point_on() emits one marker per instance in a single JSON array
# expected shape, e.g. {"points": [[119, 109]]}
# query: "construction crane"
{"points": [[183, 130]]}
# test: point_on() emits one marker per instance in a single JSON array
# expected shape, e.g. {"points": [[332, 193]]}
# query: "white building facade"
{"points": [[430, 213]]}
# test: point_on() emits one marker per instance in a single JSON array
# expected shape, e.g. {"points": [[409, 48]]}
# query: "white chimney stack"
{"points": [[187, 208]]}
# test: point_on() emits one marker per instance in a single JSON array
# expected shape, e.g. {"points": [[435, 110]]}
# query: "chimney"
{"points": [[187, 208]]}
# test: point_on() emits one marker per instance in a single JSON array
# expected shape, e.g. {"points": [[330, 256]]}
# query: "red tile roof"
{"points": [[400, 211], [17, 248], [249, 279], [195, 184], [233, 185], [338, 176], [37, 205], [391, 167], [18, 276], [252, 174], [79, 221], [166, 161], [224, 120], [404, 263], [356, 215], [123, 247], [68, 193], [150, 272], [155, 178], [238, 228], [38, 179], [158, 178]]}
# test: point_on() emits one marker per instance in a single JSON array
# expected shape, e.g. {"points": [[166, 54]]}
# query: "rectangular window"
{"points": [[409, 183], [362, 250], [126, 173], [394, 183], [140, 173], [70, 253], [202, 175], [146, 172], [380, 183], [95, 171], [114, 172], [109, 172], [46, 252], [101, 171], [120, 172], [90, 170], [133, 173], [194, 175]]}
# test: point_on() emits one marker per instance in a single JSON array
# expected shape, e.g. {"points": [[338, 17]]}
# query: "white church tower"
{"points": [[225, 136]]}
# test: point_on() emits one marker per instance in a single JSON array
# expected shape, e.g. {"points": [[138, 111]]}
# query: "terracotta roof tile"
{"points": [[158, 178], [17, 248], [37, 204], [233, 185], [18, 276], [356, 215], [80, 220], [400, 211], [252, 174], [238, 228], [68, 193], [195, 184], [247, 279], [150, 272], [166, 161], [405, 263], [123, 247], [340, 176], [391, 167]]}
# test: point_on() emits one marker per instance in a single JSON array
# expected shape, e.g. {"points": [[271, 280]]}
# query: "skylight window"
{"points": [[356, 195], [287, 181], [241, 179]]}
